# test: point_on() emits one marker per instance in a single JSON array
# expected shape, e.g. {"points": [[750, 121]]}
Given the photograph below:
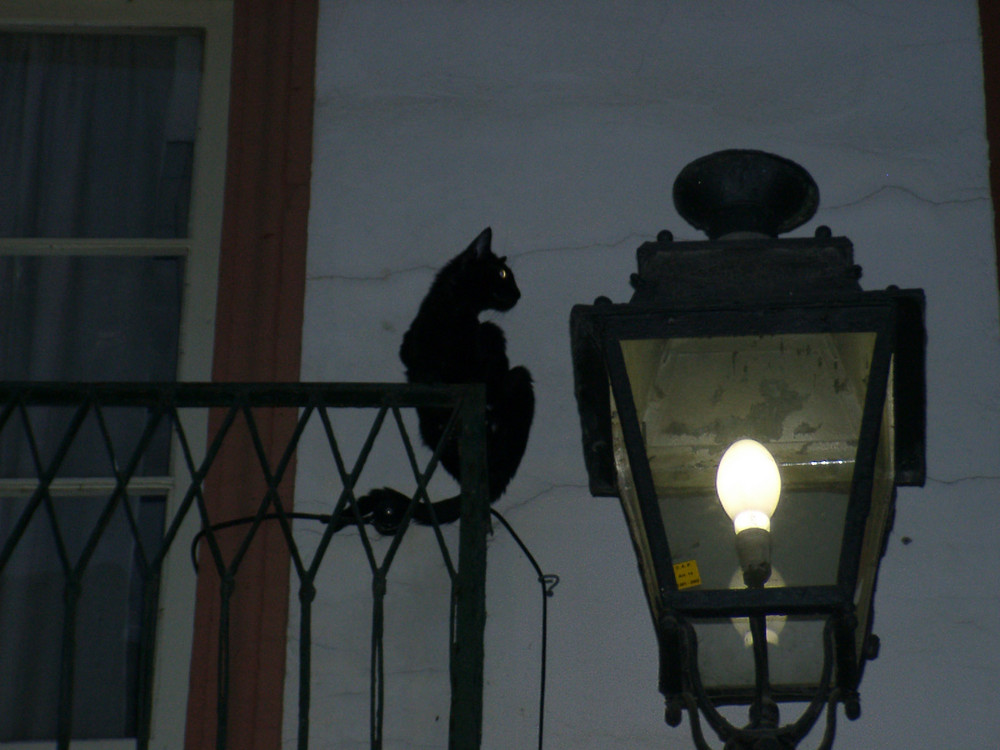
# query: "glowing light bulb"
{"points": [[749, 485]]}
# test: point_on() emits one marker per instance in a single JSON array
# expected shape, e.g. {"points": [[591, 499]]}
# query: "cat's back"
{"points": [[439, 345], [443, 343]]}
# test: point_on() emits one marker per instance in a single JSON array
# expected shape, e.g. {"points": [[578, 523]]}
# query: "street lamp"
{"points": [[754, 410]]}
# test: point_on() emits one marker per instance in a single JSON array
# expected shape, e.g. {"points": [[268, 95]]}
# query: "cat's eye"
{"points": [[503, 273]]}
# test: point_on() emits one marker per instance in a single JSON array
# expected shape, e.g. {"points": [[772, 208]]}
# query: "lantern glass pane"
{"points": [[726, 663], [879, 518], [800, 395]]}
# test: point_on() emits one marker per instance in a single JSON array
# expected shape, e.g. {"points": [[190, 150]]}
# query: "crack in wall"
{"points": [[963, 480], [521, 502], [913, 194], [386, 274]]}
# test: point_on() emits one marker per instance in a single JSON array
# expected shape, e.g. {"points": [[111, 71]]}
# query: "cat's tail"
{"points": [[385, 509]]}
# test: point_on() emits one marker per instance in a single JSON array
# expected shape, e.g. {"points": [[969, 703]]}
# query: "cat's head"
{"points": [[489, 274]]}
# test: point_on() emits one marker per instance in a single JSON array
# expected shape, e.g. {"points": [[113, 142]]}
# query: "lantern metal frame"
{"points": [[874, 312], [755, 285]]}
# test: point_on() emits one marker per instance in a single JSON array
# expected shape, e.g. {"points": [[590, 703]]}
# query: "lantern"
{"points": [[754, 410]]}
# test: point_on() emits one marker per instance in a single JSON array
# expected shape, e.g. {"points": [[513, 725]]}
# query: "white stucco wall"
{"points": [[562, 125]]}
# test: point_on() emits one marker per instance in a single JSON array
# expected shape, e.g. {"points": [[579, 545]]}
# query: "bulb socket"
{"points": [[754, 549]]}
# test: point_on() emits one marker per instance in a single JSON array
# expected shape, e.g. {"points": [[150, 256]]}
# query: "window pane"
{"points": [[109, 616], [97, 137], [87, 319]]}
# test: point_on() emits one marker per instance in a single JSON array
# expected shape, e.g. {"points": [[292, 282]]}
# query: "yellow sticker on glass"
{"points": [[686, 574]]}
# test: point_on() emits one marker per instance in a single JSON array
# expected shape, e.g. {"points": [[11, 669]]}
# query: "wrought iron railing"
{"points": [[43, 424]]}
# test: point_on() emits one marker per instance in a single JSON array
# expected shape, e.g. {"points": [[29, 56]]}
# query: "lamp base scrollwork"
{"points": [[763, 732]]}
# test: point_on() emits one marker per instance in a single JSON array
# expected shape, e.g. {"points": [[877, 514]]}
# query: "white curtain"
{"points": [[96, 140], [97, 135]]}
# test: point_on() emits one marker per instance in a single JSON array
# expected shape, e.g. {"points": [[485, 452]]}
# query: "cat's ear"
{"points": [[481, 244]]}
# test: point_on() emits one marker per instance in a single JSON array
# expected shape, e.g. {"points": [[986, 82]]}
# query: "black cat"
{"points": [[446, 343]]}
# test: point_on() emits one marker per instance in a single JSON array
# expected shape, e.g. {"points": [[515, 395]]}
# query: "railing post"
{"points": [[466, 722]]}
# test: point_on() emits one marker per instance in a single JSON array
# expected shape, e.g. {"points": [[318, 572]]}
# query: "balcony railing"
{"points": [[96, 444]]}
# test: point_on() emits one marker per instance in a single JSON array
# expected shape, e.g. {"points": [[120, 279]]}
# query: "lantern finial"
{"points": [[744, 191]]}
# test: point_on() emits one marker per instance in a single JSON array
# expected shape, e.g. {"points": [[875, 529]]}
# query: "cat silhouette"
{"points": [[447, 343]]}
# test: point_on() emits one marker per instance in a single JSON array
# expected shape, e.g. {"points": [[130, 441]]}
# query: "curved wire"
{"points": [[244, 520], [548, 581]]}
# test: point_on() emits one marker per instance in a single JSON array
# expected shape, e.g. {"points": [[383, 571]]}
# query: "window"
{"points": [[112, 156]]}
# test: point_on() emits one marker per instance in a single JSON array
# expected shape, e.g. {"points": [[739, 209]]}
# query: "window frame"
{"points": [[201, 252]]}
